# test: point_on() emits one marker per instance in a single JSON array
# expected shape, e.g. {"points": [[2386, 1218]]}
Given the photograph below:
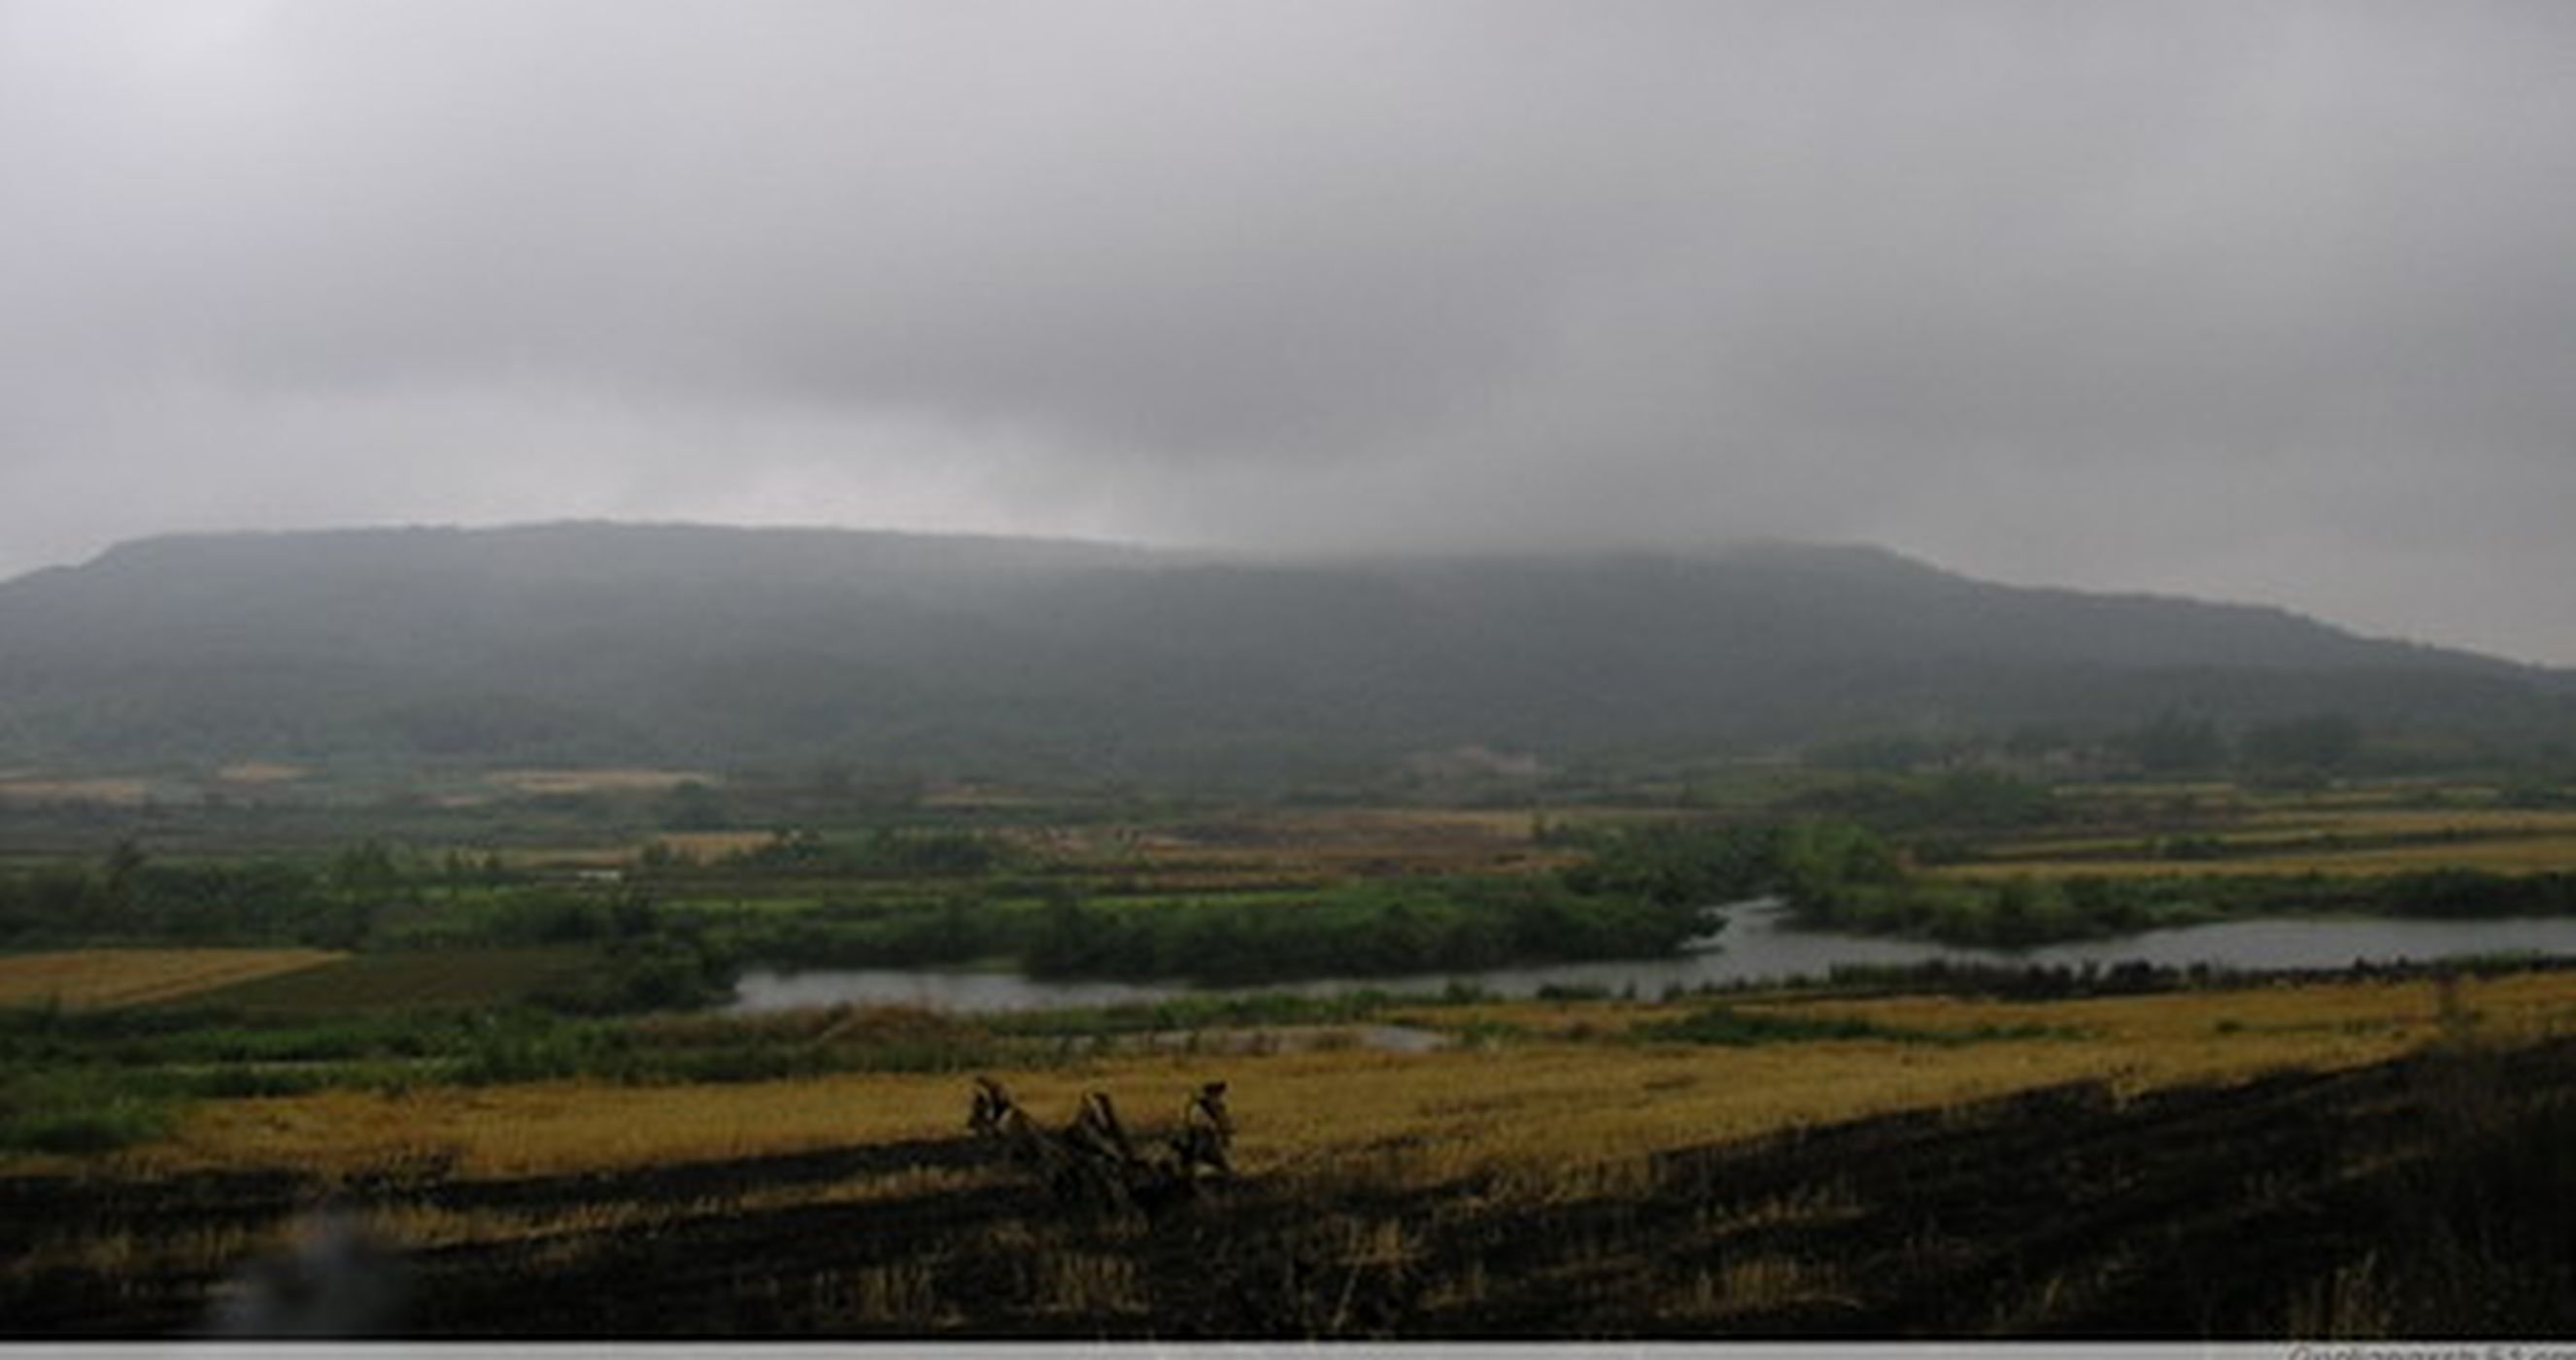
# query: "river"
{"points": [[1757, 944]]}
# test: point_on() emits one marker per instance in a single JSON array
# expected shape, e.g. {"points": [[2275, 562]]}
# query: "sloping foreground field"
{"points": [[2358, 1158], [82, 978], [1571, 1092]]}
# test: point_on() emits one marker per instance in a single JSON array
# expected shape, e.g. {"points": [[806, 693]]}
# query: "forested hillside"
{"points": [[957, 654]]}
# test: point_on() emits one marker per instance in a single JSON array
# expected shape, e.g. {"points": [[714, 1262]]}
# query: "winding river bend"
{"points": [[1757, 944]]}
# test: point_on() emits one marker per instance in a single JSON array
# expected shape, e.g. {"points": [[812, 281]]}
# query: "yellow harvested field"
{"points": [[123, 792], [2215, 790], [1546, 1108], [2503, 854], [706, 845], [261, 772], [699, 845], [2392, 1015], [568, 857], [91, 978], [2305, 839], [2379, 793], [1332, 846], [2482, 821], [955, 795], [595, 781]]}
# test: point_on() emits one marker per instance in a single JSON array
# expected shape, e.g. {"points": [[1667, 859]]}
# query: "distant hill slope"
{"points": [[590, 642]]}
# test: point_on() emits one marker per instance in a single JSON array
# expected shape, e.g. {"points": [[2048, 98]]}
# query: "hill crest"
{"points": [[617, 642]]}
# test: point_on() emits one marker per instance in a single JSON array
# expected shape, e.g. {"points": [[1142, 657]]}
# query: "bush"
{"points": [[1737, 1029]]}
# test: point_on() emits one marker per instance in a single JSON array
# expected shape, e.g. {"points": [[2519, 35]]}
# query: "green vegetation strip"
{"points": [[1737, 1028]]}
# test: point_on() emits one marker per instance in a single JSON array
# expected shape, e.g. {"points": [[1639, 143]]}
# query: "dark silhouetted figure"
{"points": [[1206, 1136], [1094, 1161]]}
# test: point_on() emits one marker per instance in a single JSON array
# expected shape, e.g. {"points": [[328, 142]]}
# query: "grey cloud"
{"points": [[2261, 301]]}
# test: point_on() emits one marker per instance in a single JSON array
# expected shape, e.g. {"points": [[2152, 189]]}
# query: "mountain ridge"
{"points": [[620, 642]]}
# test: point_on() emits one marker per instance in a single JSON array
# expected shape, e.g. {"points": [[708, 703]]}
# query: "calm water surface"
{"points": [[1755, 945]]}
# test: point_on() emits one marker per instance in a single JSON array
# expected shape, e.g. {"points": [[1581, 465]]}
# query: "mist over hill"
{"points": [[953, 654]]}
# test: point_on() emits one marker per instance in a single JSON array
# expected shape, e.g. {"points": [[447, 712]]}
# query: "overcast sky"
{"points": [[2263, 301]]}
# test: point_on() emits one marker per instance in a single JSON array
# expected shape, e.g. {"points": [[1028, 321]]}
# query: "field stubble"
{"points": [[1544, 1101], [2325, 839], [1550, 1185]]}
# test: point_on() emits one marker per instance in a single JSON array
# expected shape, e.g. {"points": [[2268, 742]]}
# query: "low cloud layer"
{"points": [[2259, 302]]}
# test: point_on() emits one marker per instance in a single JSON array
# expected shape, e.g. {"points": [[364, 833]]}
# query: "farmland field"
{"points": [[1602, 1094], [2324, 833], [519, 1090], [404, 979], [128, 977], [1318, 848], [2495, 853], [580, 781], [1567, 1171], [121, 792], [710, 844], [261, 772]]}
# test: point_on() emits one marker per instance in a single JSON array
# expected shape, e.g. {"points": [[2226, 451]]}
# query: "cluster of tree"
{"points": [[2171, 740], [1417, 926], [2476, 892], [2016, 913], [664, 970], [958, 927], [129, 898], [1674, 863], [2173, 743], [2306, 745], [1952, 803], [1841, 876], [884, 852], [2026, 982], [1641, 891]]}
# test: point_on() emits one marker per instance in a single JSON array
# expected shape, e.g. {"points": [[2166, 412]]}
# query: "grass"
{"points": [[87, 978], [1756, 1284], [77, 1112], [1739, 1027]]}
